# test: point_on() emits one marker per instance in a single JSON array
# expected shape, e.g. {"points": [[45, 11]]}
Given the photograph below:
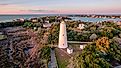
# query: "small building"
{"points": [[34, 20], [22, 19], [69, 50], [35, 28], [19, 20], [113, 17], [46, 25], [47, 21], [118, 23], [81, 26], [82, 46]]}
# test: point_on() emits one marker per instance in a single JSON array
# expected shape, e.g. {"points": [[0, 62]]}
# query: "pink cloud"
{"points": [[17, 9]]}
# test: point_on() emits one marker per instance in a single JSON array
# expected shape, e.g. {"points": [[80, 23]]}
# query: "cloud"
{"points": [[4, 4], [39, 10]]}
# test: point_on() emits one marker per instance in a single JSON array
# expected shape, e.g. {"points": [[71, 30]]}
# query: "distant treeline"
{"points": [[102, 16]]}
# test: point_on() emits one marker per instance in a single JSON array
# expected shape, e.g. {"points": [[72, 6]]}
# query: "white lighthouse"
{"points": [[62, 36]]}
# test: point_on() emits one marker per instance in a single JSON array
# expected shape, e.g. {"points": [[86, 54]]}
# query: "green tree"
{"points": [[93, 57], [54, 34]]}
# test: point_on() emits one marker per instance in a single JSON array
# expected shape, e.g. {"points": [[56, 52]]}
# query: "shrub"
{"points": [[44, 53]]}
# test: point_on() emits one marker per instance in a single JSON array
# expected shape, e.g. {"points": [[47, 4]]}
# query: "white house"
{"points": [[22, 19], [81, 26], [35, 28], [34, 20], [82, 46], [46, 25], [47, 21], [19, 20], [69, 50]]}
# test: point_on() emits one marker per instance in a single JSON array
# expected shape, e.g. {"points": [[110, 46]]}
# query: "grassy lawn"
{"points": [[74, 45], [2, 37], [62, 59], [62, 63], [76, 48]]}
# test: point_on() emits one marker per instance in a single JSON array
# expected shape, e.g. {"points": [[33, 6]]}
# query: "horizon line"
{"points": [[68, 14]]}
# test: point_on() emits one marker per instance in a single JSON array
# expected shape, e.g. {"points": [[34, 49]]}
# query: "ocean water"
{"points": [[7, 18], [85, 19]]}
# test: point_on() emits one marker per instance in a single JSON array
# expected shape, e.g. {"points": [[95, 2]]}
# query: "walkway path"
{"points": [[78, 42], [53, 59]]}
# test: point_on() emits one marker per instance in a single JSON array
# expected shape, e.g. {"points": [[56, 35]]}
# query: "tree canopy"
{"points": [[95, 56]]}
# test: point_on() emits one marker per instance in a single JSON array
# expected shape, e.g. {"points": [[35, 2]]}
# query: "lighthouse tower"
{"points": [[62, 36]]}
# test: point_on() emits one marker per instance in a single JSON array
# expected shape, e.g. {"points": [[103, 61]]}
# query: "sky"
{"points": [[60, 6]]}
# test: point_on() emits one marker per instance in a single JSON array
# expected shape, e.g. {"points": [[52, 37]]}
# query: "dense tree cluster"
{"points": [[43, 58], [76, 36], [103, 44], [4, 58], [44, 53], [10, 24], [54, 34], [71, 35], [31, 25], [93, 57]]}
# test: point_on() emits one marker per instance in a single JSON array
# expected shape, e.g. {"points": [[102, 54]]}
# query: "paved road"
{"points": [[53, 60]]}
